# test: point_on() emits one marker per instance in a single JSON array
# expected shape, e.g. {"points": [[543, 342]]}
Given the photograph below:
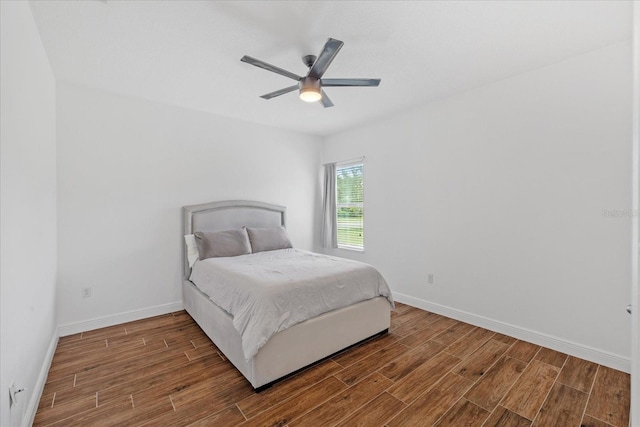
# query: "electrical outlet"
{"points": [[86, 292], [430, 278]]}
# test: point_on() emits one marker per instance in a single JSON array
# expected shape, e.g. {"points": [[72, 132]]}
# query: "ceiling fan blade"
{"points": [[325, 100], [350, 82], [329, 52], [269, 67], [280, 92]]}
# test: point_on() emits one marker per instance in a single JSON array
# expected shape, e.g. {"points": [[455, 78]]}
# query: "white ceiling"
{"points": [[187, 53]]}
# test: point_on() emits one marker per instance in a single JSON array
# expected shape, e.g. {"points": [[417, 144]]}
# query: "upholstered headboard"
{"points": [[227, 215]]}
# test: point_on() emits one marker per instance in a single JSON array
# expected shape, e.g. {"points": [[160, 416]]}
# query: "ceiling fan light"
{"points": [[310, 94], [310, 89]]}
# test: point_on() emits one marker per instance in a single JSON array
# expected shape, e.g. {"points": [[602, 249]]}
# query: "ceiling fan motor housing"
{"points": [[309, 82]]}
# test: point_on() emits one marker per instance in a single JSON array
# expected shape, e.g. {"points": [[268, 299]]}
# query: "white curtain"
{"points": [[329, 226]]}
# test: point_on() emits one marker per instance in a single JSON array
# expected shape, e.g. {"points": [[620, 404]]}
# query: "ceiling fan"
{"points": [[311, 84]]}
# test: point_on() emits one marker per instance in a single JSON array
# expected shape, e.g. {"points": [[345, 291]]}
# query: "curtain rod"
{"points": [[341, 162]]}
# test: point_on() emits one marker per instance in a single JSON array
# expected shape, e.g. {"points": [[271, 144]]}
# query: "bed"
{"points": [[288, 350]]}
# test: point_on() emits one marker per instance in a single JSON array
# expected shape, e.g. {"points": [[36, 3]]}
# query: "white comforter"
{"points": [[268, 292]]}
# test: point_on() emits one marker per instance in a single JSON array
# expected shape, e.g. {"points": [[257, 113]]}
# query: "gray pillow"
{"points": [[268, 239], [222, 243]]}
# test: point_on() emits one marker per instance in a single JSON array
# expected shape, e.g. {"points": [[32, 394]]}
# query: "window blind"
{"points": [[350, 205]]}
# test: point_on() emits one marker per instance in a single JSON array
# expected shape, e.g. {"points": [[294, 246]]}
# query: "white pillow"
{"points": [[192, 249]]}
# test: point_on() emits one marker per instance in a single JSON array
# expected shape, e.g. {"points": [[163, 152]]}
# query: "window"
{"points": [[350, 205]]}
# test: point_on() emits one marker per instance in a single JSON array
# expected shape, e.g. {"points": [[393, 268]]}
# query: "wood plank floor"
{"points": [[429, 370]]}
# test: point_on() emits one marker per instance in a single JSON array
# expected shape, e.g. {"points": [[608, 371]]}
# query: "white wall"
{"points": [[126, 166], [500, 193], [635, 260], [27, 209]]}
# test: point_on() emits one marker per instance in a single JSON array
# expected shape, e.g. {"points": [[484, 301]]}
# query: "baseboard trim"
{"points": [[116, 319], [581, 351], [32, 408]]}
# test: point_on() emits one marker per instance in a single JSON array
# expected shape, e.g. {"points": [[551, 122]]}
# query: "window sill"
{"points": [[351, 248]]}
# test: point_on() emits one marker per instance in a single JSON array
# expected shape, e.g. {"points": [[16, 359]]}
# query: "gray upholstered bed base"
{"points": [[289, 350], [294, 348]]}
